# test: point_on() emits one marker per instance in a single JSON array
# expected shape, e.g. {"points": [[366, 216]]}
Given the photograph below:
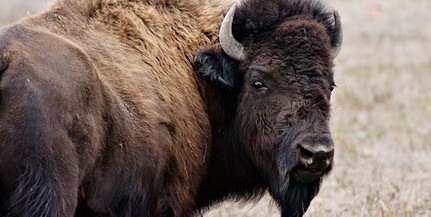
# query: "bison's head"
{"points": [[280, 66]]}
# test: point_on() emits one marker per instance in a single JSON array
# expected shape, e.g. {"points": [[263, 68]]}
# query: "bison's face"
{"points": [[283, 113], [284, 103], [283, 80]]}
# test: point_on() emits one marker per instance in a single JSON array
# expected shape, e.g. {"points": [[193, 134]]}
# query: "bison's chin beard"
{"points": [[292, 197], [295, 187]]}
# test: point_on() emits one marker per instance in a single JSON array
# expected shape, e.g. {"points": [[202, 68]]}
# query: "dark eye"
{"points": [[332, 86], [258, 85]]}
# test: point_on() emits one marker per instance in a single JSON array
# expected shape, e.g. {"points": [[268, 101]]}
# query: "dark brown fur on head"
{"points": [[256, 17]]}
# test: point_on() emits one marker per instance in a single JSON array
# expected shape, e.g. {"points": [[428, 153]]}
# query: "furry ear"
{"points": [[217, 66]]}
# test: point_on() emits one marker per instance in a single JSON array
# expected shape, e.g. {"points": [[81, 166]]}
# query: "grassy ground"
{"points": [[381, 118]]}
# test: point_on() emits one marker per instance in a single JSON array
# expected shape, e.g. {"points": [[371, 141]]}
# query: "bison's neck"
{"points": [[230, 173]]}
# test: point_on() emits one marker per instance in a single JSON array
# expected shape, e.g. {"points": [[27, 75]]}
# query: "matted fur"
{"points": [[261, 16]]}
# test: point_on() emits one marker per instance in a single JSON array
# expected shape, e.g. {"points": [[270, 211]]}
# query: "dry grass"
{"points": [[381, 115]]}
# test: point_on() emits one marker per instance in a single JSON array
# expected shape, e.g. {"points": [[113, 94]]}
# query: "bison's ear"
{"points": [[216, 66]]}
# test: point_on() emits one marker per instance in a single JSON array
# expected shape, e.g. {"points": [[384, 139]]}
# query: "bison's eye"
{"points": [[258, 85], [332, 86]]}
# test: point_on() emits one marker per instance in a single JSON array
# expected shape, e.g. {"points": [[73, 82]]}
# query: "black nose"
{"points": [[316, 152]]}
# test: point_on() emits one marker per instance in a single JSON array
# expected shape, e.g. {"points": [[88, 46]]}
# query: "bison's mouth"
{"points": [[303, 174]]}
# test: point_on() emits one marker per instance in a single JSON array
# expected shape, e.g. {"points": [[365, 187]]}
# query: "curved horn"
{"points": [[337, 39], [228, 43]]}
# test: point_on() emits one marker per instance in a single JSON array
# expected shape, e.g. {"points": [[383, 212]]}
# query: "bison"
{"points": [[144, 108]]}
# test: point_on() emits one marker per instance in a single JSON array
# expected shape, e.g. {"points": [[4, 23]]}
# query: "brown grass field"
{"points": [[381, 118]]}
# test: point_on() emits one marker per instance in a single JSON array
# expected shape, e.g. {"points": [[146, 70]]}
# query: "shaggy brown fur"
{"points": [[100, 96], [101, 113]]}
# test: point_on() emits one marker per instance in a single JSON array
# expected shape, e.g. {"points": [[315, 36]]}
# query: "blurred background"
{"points": [[12, 10], [381, 113]]}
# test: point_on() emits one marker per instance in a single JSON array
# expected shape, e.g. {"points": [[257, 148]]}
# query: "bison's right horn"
{"points": [[228, 43], [338, 35]]}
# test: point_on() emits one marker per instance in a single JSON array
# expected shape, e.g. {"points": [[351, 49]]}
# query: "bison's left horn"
{"points": [[228, 43], [337, 39]]}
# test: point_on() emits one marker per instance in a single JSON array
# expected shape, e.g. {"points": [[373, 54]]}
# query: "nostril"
{"points": [[305, 152], [306, 156]]}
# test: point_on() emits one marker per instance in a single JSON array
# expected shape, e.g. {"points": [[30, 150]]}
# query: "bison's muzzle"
{"points": [[316, 153]]}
